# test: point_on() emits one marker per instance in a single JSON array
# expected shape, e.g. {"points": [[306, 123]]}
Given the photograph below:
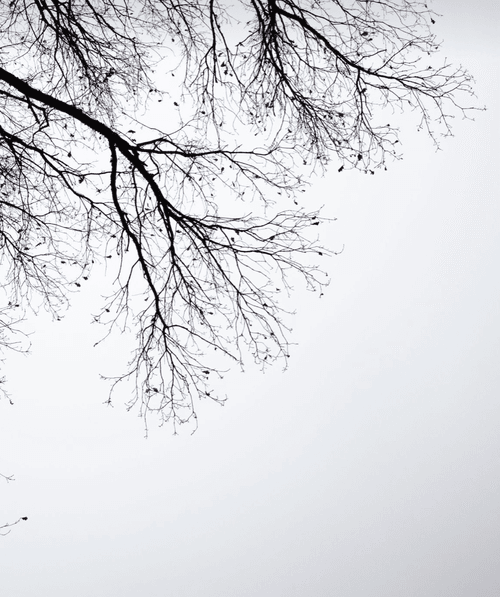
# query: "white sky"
{"points": [[369, 469]]}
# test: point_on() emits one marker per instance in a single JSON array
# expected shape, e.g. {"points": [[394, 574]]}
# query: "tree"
{"points": [[174, 137]]}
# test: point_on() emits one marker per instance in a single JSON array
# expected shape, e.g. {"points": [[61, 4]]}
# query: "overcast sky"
{"points": [[369, 469]]}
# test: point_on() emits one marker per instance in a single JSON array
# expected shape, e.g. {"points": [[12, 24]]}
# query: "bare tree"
{"points": [[175, 136]]}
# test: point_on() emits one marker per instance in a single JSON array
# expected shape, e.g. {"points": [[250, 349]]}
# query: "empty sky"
{"points": [[369, 469]]}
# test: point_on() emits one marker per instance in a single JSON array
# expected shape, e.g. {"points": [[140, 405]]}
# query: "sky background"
{"points": [[369, 469]]}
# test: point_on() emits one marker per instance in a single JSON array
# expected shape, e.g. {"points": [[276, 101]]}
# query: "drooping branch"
{"points": [[176, 137]]}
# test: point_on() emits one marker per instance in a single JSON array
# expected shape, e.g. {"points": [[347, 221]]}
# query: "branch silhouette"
{"points": [[176, 138]]}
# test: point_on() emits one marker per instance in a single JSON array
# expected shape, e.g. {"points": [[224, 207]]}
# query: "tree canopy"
{"points": [[174, 137]]}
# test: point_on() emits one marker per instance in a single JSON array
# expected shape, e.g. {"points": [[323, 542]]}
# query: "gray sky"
{"points": [[369, 469]]}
